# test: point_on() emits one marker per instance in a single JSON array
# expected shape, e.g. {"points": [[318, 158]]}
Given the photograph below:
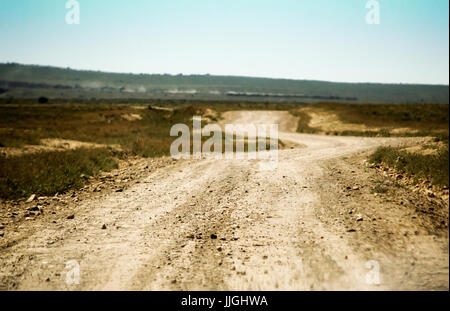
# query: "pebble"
{"points": [[31, 198]]}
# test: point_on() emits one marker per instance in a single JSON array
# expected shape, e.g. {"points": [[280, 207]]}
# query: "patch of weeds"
{"points": [[303, 122], [432, 166], [47, 173], [380, 188]]}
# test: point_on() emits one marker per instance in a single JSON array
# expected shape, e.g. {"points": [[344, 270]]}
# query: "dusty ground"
{"points": [[313, 223]]}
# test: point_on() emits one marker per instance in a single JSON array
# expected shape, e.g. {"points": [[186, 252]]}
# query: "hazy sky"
{"points": [[300, 39]]}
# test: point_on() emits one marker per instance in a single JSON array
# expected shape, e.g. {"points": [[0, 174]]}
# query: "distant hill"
{"points": [[18, 80]]}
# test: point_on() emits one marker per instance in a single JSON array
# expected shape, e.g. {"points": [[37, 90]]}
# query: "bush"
{"points": [[42, 100]]}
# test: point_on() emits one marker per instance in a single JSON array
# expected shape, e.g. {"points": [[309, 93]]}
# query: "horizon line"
{"points": [[217, 75]]}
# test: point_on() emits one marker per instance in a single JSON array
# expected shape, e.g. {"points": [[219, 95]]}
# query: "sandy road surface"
{"points": [[272, 227]]}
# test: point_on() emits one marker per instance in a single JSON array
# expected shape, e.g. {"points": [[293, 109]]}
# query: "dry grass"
{"points": [[304, 122], [99, 123], [47, 173], [375, 119], [434, 167]]}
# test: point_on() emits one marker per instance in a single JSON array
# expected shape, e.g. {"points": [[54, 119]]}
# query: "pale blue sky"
{"points": [[299, 39]]}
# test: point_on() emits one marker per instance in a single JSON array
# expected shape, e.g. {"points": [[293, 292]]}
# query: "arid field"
{"points": [[92, 181]]}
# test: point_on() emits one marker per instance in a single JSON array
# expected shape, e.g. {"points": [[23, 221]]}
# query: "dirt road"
{"points": [[225, 225]]}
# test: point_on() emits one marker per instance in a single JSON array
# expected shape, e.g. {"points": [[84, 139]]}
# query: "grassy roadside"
{"points": [[147, 135], [47, 173], [373, 120], [429, 115], [385, 120], [137, 130], [434, 167]]}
